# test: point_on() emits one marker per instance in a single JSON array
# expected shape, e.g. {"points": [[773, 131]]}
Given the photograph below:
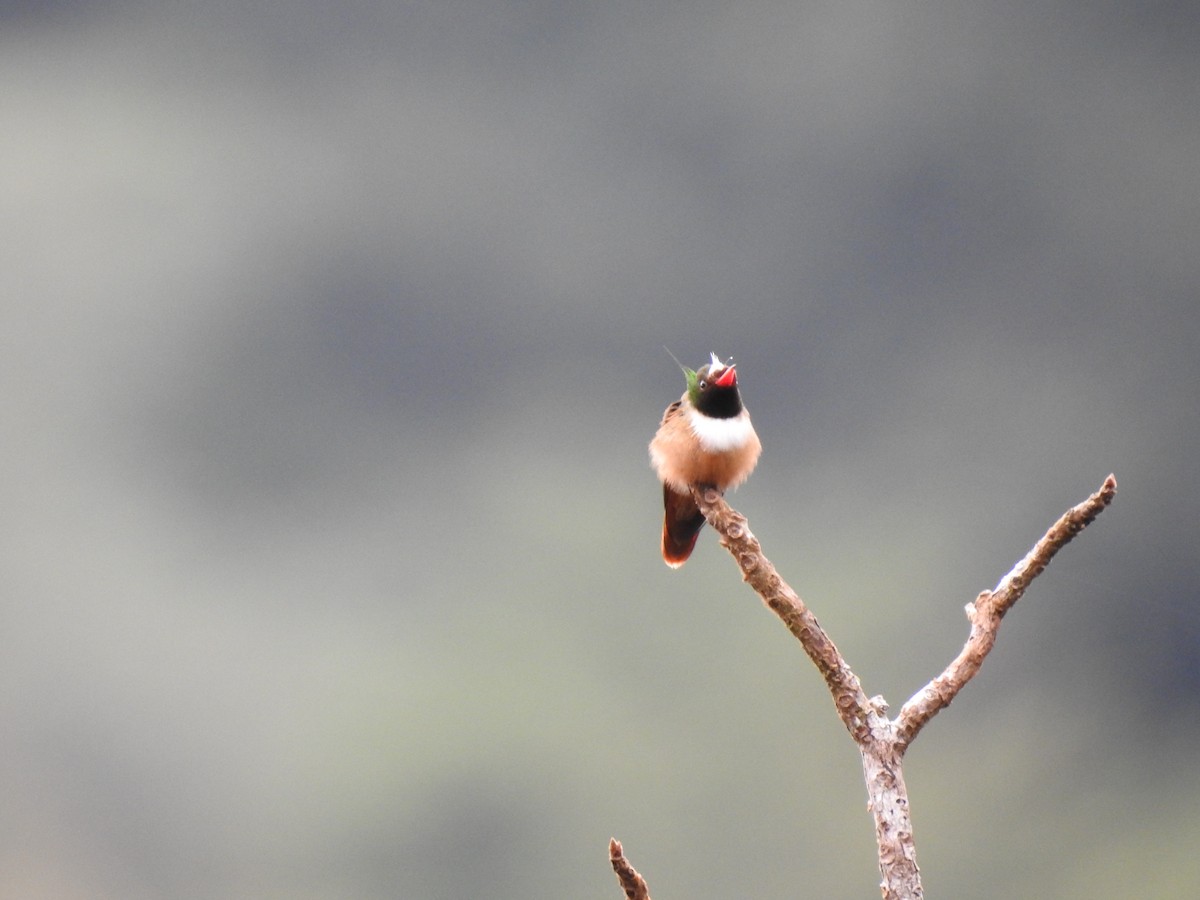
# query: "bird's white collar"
{"points": [[717, 435]]}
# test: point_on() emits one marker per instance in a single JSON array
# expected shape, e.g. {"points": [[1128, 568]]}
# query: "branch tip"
{"points": [[631, 882]]}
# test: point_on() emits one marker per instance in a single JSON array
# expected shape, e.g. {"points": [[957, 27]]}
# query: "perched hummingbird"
{"points": [[705, 438]]}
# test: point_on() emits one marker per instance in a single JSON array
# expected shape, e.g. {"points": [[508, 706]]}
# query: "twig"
{"points": [[989, 608], [633, 883]]}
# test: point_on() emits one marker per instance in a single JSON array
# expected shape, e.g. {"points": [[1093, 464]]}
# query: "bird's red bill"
{"points": [[728, 378]]}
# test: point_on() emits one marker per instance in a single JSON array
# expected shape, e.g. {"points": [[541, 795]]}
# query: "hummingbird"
{"points": [[705, 438]]}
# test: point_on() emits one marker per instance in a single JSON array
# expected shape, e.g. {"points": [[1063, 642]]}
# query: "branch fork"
{"points": [[882, 742]]}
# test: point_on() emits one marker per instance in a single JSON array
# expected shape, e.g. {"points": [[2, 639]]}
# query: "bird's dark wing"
{"points": [[671, 411]]}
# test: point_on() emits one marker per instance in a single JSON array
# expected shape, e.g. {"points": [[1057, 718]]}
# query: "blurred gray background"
{"points": [[332, 342]]}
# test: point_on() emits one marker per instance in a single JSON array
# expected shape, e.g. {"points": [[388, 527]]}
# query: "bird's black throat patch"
{"points": [[719, 402]]}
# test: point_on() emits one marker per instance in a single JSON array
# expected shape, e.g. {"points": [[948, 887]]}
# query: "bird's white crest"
{"points": [[718, 435], [715, 362]]}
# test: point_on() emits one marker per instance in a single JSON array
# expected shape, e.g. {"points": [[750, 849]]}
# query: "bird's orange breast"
{"points": [[681, 460]]}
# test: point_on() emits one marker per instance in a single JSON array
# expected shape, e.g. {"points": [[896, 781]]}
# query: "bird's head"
{"points": [[712, 389]]}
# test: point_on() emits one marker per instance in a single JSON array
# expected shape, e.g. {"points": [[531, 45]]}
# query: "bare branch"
{"points": [[848, 696], [883, 741], [633, 884], [989, 608]]}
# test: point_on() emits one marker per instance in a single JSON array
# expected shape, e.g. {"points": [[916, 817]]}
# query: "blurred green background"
{"points": [[332, 342]]}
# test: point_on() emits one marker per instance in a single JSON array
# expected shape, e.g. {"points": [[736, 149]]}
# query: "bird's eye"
{"points": [[703, 385]]}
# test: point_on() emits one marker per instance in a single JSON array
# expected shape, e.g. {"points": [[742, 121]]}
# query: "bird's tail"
{"points": [[682, 522]]}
